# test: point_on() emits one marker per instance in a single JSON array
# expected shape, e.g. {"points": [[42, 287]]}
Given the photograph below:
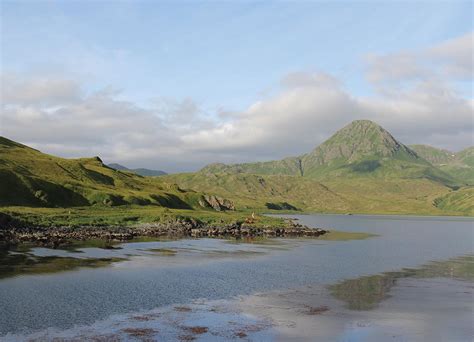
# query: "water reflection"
{"points": [[31, 260], [140, 252], [420, 309], [367, 292], [23, 262]]}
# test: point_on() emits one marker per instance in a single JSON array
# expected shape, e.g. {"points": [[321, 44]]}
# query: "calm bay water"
{"points": [[149, 275]]}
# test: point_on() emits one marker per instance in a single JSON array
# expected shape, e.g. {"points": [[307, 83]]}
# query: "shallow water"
{"points": [[58, 289]]}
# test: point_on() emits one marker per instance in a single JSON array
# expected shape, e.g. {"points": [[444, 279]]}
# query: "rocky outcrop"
{"points": [[217, 203], [18, 233]]}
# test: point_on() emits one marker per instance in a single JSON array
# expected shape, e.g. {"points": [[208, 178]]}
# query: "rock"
{"points": [[217, 203]]}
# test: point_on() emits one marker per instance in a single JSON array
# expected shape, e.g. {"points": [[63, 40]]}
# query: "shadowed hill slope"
{"points": [[31, 178]]}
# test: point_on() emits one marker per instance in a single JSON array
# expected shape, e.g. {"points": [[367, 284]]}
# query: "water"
{"points": [[42, 288]]}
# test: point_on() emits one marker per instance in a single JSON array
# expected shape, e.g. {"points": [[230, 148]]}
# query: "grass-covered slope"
{"points": [[31, 178], [265, 191], [350, 195]]}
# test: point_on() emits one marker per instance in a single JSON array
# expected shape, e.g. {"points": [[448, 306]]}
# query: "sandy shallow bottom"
{"points": [[436, 309]]}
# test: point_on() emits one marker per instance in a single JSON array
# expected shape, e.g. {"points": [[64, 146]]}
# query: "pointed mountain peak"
{"points": [[359, 140]]}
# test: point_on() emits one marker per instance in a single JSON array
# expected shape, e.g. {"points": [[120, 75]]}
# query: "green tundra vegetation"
{"points": [[361, 169]]}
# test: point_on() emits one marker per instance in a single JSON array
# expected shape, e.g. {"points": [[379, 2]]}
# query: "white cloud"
{"points": [[448, 61], [417, 101], [455, 56], [38, 91]]}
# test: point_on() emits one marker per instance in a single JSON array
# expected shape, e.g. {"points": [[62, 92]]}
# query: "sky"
{"points": [[175, 85]]}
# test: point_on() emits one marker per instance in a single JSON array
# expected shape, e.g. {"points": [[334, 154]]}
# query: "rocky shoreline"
{"points": [[13, 233]]}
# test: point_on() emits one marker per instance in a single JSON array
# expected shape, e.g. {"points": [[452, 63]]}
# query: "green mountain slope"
{"points": [[458, 165], [140, 171], [31, 178]]}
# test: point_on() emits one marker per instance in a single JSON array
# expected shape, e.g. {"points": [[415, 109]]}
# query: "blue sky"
{"points": [[220, 53], [224, 56]]}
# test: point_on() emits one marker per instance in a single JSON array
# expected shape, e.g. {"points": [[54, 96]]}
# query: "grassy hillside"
{"points": [[354, 195], [31, 178], [265, 191]]}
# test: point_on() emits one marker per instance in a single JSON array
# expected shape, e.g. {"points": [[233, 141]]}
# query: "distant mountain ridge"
{"points": [[360, 149], [459, 165], [139, 171]]}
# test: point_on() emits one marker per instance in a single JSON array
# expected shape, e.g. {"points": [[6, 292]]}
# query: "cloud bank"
{"points": [[416, 97]]}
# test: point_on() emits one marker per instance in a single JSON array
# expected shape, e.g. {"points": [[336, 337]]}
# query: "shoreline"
{"points": [[14, 233]]}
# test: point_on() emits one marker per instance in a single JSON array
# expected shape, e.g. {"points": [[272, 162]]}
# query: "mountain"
{"points": [[361, 168], [31, 178], [360, 149], [459, 165], [139, 171]]}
